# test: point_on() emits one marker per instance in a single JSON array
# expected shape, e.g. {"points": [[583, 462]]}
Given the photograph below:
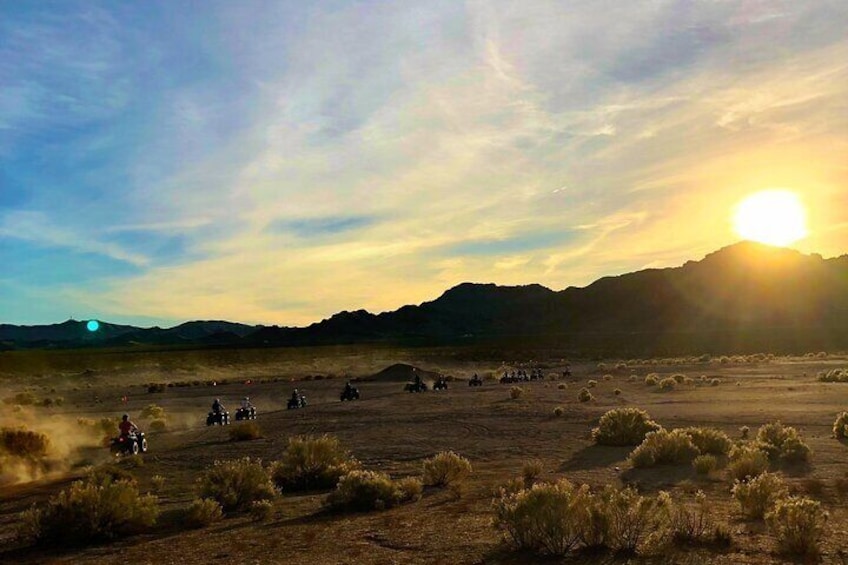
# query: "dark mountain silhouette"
{"points": [[745, 297]]}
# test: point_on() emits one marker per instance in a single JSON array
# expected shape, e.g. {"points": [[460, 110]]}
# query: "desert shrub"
{"points": [[90, 511], [652, 379], [562, 386], [705, 464], [834, 376], [152, 412], [245, 431], [559, 411], [840, 485], [547, 519], [624, 426], [236, 483], [366, 490], [694, 524], [662, 447], [633, 378], [203, 512], [840, 426], [758, 495], [607, 377], [20, 442], [411, 488], [633, 521], [158, 482], [617, 392], [516, 392], [155, 388], [715, 382], [709, 440], [445, 468], [312, 463], [744, 431], [157, 426], [530, 471], [746, 462], [261, 510], [584, 395], [782, 442], [591, 383], [798, 525], [667, 384], [679, 378], [25, 398]]}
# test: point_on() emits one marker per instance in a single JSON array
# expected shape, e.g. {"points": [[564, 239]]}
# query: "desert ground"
{"points": [[394, 431]]}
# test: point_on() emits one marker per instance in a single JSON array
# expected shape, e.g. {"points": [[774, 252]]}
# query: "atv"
{"points": [[441, 384], [420, 386], [246, 413], [218, 418], [475, 381], [299, 402], [131, 444], [351, 393]]}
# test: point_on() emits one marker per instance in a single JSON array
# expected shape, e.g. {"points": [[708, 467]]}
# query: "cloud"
{"points": [[302, 160]]}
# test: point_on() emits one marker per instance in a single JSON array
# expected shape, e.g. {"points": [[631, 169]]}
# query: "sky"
{"points": [[277, 162]]}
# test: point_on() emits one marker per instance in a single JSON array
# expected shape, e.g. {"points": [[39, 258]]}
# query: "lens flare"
{"points": [[92, 325]]}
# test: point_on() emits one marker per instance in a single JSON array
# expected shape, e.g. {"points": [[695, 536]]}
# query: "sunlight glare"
{"points": [[775, 217]]}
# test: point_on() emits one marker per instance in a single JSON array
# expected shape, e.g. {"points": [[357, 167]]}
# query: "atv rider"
{"points": [[126, 427], [348, 388], [217, 407], [246, 404], [295, 398]]}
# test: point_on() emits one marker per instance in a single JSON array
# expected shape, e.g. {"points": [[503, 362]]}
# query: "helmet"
{"points": [[247, 398], [216, 400], [125, 417]]}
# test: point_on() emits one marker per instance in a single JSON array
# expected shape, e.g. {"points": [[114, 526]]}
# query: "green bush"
{"points": [[782, 442], [664, 448], [840, 426], [624, 426], [245, 431], [758, 495], [709, 440], [584, 395], [746, 462], [547, 519], [312, 463], [236, 483], [371, 490], [798, 525], [203, 512], [705, 464], [88, 512], [445, 468]]}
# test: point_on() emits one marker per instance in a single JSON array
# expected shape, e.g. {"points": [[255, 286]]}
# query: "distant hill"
{"points": [[745, 297]]}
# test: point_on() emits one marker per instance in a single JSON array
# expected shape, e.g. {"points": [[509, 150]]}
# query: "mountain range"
{"points": [[745, 297]]}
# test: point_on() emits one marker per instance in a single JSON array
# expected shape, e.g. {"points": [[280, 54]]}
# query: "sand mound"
{"points": [[401, 372]]}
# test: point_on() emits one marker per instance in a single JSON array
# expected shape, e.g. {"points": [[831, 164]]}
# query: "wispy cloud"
{"points": [[279, 162]]}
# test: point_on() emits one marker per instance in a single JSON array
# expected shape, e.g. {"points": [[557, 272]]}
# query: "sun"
{"points": [[775, 217]]}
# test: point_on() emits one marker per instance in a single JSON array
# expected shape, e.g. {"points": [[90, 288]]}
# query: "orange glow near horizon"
{"points": [[774, 217]]}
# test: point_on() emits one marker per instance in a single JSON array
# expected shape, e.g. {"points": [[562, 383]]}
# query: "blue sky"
{"points": [[276, 162]]}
